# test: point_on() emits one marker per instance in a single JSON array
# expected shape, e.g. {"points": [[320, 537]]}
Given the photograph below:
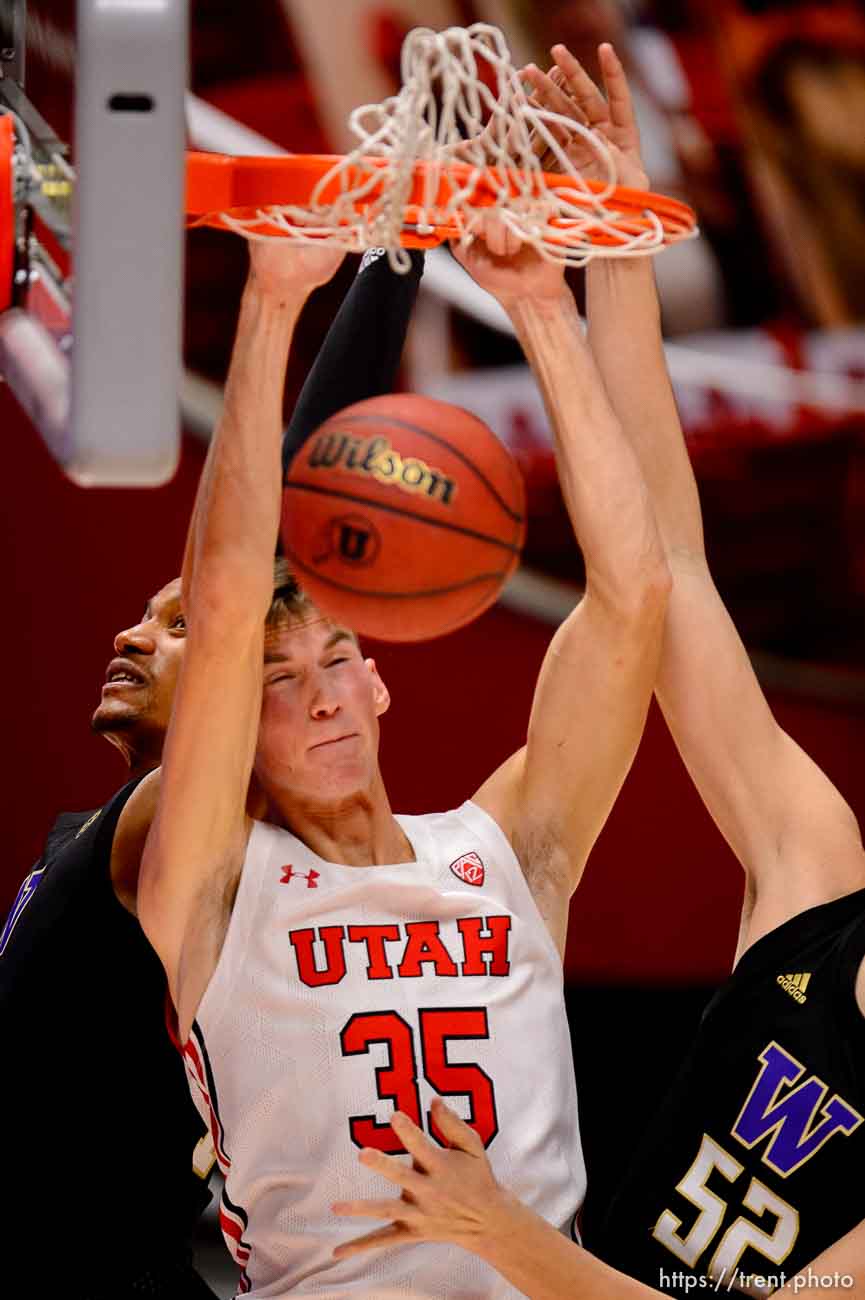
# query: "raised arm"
{"points": [[553, 797], [359, 358], [361, 355], [197, 839], [784, 820]]}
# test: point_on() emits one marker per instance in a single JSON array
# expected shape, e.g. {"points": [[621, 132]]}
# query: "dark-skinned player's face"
{"points": [[140, 682]]}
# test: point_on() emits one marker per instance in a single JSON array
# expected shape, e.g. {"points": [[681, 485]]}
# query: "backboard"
{"points": [[90, 344]]}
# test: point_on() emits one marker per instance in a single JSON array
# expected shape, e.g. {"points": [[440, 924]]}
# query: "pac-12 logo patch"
{"points": [[468, 867]]}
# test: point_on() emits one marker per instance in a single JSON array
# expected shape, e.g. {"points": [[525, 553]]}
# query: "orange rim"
{"points": [[7, 212], [220, 184]]}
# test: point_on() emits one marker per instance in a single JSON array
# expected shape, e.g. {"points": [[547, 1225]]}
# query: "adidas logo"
{"points": [[795, 985]]}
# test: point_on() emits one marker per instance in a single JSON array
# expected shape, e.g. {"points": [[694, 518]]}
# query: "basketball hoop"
{"points": [[433, 161]]}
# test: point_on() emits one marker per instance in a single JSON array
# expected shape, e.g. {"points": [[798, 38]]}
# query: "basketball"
{"points": [[403, 516]]}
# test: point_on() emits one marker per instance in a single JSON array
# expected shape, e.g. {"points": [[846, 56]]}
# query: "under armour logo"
{"points": [[311, 876]]}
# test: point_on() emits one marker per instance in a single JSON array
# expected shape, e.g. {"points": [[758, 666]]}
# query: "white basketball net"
{"points": [[446, 114]]}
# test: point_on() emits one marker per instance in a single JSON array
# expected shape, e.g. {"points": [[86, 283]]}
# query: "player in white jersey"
{"points": [[334, 963]]}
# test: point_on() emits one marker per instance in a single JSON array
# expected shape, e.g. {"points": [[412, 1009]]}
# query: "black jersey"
{"points": [[753, 1166], [98, 1125]]}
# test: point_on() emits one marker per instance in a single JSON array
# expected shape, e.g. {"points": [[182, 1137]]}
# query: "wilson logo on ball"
{"points": [[377, 458], [469, 868]]}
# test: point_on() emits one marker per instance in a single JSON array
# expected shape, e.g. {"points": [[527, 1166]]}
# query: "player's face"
{"points": [[140, 680], [319, 731]]}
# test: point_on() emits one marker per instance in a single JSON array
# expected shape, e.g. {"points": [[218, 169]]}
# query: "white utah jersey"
{"points": [[343, 993]]}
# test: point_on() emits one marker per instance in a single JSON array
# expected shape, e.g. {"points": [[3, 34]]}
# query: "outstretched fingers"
{"points": [[391, 1168], [580, 85], [458, 1135], [450, 1194], [416, 1143], [621, 105], [397, 1210], [549, 92], [610, 113]]}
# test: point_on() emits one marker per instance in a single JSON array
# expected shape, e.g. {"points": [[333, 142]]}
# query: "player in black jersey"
{"points": [[750, 1178], [98, 1186], [98, 1195]]}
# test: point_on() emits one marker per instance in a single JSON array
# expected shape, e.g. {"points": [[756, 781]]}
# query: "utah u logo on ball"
{"points": [[350, 538]]}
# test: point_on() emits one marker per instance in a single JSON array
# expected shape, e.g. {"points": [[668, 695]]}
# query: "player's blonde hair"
{"points": [[290, 603]]}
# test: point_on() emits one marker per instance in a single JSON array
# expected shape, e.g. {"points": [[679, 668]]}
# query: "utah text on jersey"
{"points": [[791, 1114], [477, 945]]}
